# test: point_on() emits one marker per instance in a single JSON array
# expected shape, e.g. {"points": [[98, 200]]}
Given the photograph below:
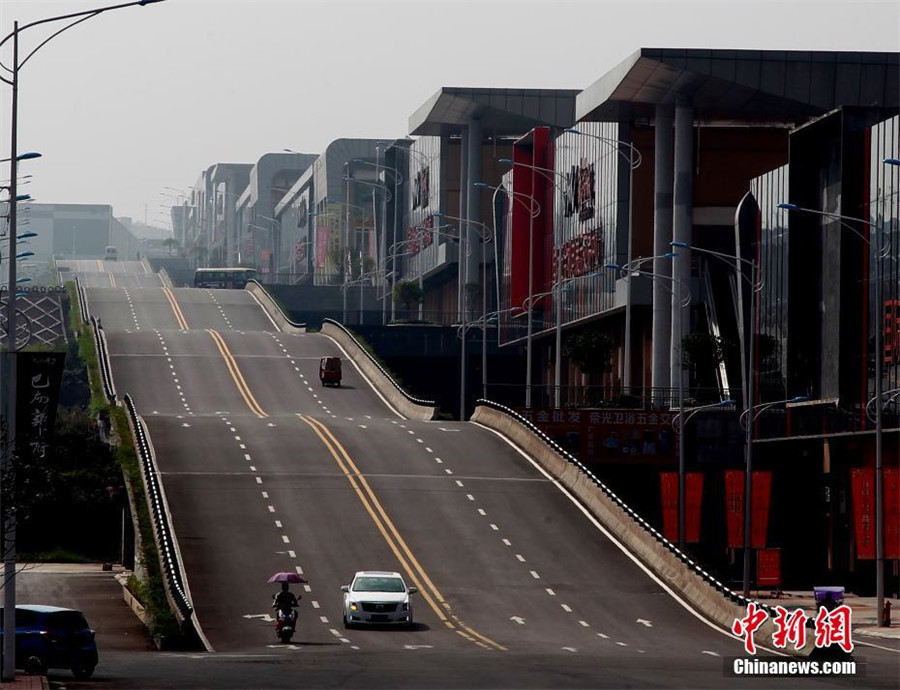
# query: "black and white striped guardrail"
{"points": [[103, 362], [736, 597], [417, 401], [165, 543], [276, 305]]}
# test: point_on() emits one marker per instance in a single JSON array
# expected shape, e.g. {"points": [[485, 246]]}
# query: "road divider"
{"points": [[236, 374], [398, 546], [179, 315]]}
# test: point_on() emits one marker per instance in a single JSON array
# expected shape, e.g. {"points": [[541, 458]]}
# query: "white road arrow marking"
{"points": [[185, 424], [570, 649], [443, 429], [418, 646], [517, 619], [706, 651], [644, 622], [265, 616]]}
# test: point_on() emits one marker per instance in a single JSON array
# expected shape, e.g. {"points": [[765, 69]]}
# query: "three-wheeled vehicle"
{"points": [[330, 371]]}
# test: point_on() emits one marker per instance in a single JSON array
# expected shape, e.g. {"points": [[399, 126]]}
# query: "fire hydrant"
{"points": [[886, 615]]}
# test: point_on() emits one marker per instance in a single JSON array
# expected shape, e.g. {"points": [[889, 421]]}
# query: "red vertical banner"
{"points": [[669, 494], [734, 507], [762, 499], [862, 484], [768, 568], [693, 508], [891, 514]]}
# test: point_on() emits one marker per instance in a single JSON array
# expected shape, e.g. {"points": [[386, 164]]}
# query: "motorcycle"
{"points": [[285, 623]]}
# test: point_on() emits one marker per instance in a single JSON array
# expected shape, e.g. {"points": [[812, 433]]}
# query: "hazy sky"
{"points": [[138, 99]]}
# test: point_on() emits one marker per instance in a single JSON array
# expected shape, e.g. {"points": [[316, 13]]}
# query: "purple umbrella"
{"points": [[287, 577]]}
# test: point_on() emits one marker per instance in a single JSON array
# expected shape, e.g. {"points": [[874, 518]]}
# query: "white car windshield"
{"points": [[378, 584]]}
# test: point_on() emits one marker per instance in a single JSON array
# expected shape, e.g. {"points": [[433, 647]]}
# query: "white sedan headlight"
{"points": [[353, 606]]}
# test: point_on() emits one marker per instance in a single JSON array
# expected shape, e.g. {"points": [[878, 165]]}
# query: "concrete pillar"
{"points": [[473, 212], [463, 210], [662, 235], [682, 224]]}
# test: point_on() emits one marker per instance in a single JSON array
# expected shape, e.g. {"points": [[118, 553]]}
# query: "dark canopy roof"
{"points": [[501, 111], [743, 85]]}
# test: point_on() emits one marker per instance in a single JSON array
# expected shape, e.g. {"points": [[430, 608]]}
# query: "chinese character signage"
{"points": [[892, 332], [693, 488], [832, 627], [579, 191], [862, 484], [734, 507], [38, 377], [419, 237], [580, 255]]}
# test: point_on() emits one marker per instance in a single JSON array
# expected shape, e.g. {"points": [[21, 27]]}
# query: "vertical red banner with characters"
{"points": [[693, 509], [693, 487], [891, 514], [768, 568], [668, 486], [862, 485], [734, 507], [762, 498]]}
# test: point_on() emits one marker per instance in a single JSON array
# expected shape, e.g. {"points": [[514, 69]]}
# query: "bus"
{"points": [[223, 277], [112, 254]]}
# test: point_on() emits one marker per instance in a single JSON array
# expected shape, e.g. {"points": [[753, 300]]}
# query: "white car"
{"points": [[377, 597]]}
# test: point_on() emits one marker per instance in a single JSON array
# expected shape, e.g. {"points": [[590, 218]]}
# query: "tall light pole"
{"points": [[679, 421], [534, 210], [748, 348], [9, 591], [630, 153], [684, 295], [881, 253]]}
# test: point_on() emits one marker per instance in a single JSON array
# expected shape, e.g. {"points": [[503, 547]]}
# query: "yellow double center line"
{"points": [[411, 566], [236, 375], [179, 316]]}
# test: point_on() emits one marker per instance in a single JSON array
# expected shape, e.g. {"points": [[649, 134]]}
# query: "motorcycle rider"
{"points": [[286, 601]]}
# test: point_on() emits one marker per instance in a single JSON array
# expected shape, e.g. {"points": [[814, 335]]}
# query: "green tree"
{"points": [[408, 294], [590, 350]]}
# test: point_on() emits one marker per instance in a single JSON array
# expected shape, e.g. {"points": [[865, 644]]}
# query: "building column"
{"points": [[463, 210], [662, 235], [682, 226], [473, 213]]}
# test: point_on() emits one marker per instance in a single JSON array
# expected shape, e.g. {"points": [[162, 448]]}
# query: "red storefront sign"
{"points": [[768, 568], [419, 237], [610, 434], [579, 256], [531, 204], [891, 332], [734, 507], [862, 485], [891, 514], [693, 486]]}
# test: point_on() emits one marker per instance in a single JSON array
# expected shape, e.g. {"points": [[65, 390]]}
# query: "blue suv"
{"points": [[53, 637]]}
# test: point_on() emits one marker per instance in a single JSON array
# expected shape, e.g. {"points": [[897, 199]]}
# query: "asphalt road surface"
{"points": [[265, 470]]}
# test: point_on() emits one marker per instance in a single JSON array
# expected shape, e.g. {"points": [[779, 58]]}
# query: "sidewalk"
{"points": [[23, 682], [864, 618]]}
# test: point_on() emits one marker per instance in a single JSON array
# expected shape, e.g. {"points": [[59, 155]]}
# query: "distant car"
{"points": [[53, 637], [379, 598]]}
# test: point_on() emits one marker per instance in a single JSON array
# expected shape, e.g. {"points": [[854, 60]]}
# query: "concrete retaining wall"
{"points": [[382, 384], [273, 310], [678, 576]]}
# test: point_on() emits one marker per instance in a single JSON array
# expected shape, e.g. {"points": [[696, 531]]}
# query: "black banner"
{"points": [[38, 378]]}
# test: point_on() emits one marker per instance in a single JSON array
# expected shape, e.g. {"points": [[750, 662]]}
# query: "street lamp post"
{"points": [[534, 210], [680, 420], [880, 254], [9, 590]]}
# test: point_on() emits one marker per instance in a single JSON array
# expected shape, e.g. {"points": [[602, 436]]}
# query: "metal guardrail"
{"points": [[168, 554], [82, 301], [683, 557], [417, 401], [277, 306], [103, 362]]}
